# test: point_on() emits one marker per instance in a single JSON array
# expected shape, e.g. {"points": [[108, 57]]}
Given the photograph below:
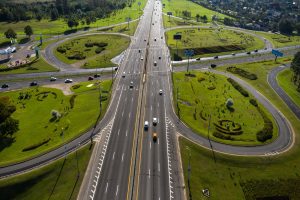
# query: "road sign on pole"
{"points": [[276, 53], [189, 53]]}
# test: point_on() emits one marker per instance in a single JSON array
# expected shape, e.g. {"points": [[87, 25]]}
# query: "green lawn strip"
{"points": [[237, 178], [206, 94], [279, 40], [211, 41], [60, 26], [115, 45], [284, 80], [123, 28], [176, 7], [37, 66], [173, 22], [36, 123], [57, 180]]}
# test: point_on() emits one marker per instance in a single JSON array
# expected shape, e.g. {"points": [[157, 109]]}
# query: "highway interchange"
{"points": [[126, 163]]}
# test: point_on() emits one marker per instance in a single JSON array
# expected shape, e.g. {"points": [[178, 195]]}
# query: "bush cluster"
{"points": [[72, 100], [76, 86], [99, 50], [242, 72], [77, 56], [238, 87], [222, 136], [98, 44], [61, 49], [34, 146], [267, 132], [253, 102]]}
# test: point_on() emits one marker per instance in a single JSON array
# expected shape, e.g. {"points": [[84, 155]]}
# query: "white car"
{"points": [[123, 75], [160, 92], [68, 80], [146, 125], [154, 121], [53, 78], [142, 58], [155, 63]]}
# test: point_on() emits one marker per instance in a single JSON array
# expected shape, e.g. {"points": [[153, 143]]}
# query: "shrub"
{"points": [[267, 132], [211, 87], [60, 49], [253, 102], [76, 86], [222, 136], [77, 56], [55, 114], [34, 146], [99, 50], [238, 87], [241, 72], [72, 101], [200, 79]]}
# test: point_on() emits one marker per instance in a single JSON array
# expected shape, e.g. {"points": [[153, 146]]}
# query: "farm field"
{"points": [[284, 80], [58, 180], [38, 127], [209, 41], [94, 51], [203, 100]]}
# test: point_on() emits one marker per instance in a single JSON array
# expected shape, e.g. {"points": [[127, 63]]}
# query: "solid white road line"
{"points": [[113, 156], [117, 190], [122, 157], [106, 187]]}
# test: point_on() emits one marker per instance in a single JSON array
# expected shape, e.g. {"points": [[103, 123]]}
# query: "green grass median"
{"points": [[39, 130]]}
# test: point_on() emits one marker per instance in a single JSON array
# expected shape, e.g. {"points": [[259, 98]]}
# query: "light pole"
{"points": [[189, 173]]}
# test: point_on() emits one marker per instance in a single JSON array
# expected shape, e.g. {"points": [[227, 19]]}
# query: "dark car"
{"points": [[248, 52], [256, 50], [90, 78], [4, 85], [33, 83], [216, 57], [198, 58], [159, 57], [96, 75], [213, 65]]}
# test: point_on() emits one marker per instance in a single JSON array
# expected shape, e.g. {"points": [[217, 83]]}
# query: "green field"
{"points": [[37, 66], [37, 124], [206, 95], [279, 40], [173, 22], [177, 6], [284, 80], [124, 28], [211, 41], [60, 26], [240, 178], [115, 45], [57, 180]]}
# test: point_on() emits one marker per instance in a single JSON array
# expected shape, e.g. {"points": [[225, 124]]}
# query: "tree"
{"points": [[197, 17], [71, 23], [228, 21], [28, 30], [297, 27], [10, 33], [285, 26], [8, 125], [54, 14], [204, 18], [295, 67]]}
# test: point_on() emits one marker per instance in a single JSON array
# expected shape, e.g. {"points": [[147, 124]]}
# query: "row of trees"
{"points": [[295, 67], [87, 10], [10, 33], [287, 26]]}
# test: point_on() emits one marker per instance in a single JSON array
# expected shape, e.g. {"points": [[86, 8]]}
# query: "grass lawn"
{"points": [[240, 178], [57, 180], [60, 26], [172, 22], [115, 45], [279, 40], [177, 6], [124, 28], [284, 80], [36, 123], [206, 94], [211, 41], [37, 66]]}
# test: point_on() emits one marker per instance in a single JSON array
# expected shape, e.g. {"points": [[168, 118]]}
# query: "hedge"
{"points": [[238, 87], [241, 72], [72, 100], [267, 132], [34, 146]]}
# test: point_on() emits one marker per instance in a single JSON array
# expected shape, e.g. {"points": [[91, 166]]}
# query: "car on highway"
{"points": [[68, 80], [154, 136], [4, 85], [216, 57], [33, 83], [142, 58], [256, 50], [159, 57], [160, 92], [248, 52], [123, 75], [213, 65], [154, 39], [90, 78], [146, 125], [139, 50], [96, 75], [155, 63], [233, 54], [52, 78], [154, 121], [131, 84], [198, 58]]}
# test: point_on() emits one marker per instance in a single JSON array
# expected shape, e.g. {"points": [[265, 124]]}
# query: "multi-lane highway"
{"points": [[126, 162]]}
